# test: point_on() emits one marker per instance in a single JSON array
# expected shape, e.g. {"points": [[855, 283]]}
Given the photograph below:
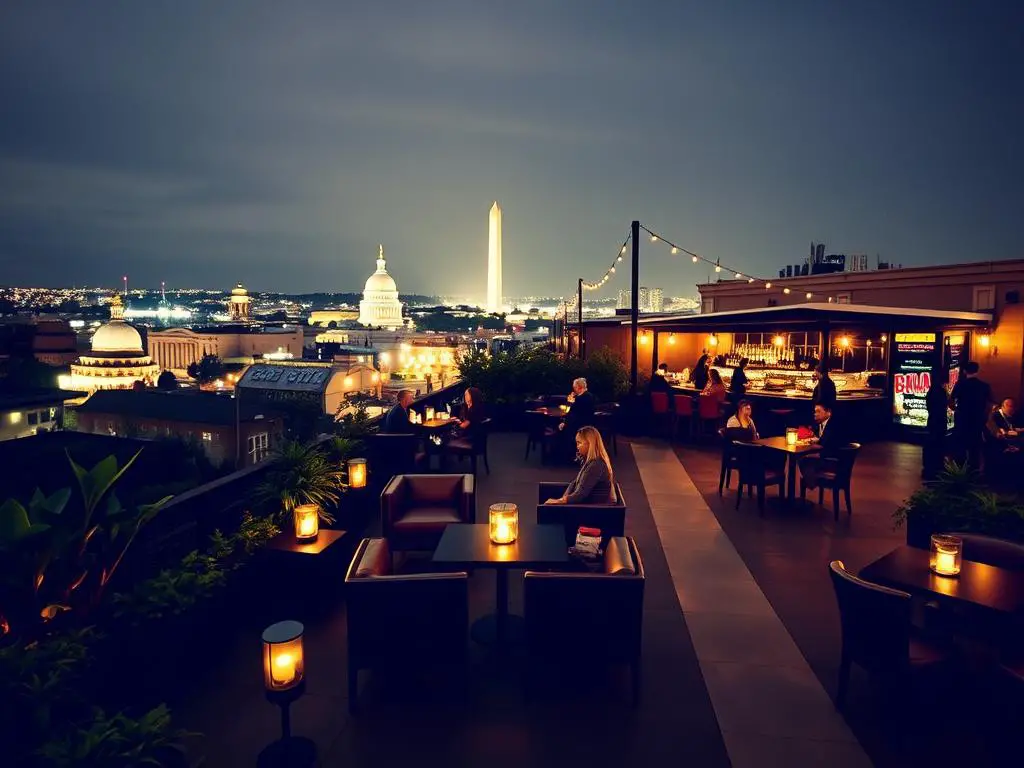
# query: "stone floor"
{"points": [[741, 645]]}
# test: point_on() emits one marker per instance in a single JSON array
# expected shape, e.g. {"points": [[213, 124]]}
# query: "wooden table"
{"points": [[469, 546], [550, 412], [793, 453], [980, 585], [433, 424]]}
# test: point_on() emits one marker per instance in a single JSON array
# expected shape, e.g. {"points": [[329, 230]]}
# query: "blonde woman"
{"points": [[595, 482]]}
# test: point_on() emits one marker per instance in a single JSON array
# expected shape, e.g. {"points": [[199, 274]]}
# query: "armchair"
{"points": [[397, 620], [583, 618], [415, 509], [610, 518]]}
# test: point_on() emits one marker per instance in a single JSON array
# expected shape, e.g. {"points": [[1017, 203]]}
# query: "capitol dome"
{"points": [[239, 290], [380, 306], [117, 336]]}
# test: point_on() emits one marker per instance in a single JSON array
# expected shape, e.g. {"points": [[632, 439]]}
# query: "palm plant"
{"points": [[301, 474]]}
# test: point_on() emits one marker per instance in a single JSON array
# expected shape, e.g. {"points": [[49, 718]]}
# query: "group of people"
{"points": [[468, 425], [985, 432]]}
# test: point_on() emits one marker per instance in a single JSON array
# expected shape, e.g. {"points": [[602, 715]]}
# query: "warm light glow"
{"points": [[791, 435], [785, 290], [718, 268], [739, 276], [868, 342], [809, 294], [778, 341], [307, 522], [14, 417], [654, 238], [357, 473], [750, 279], [348, 382], [984, 340], [712, 340], [946, 552], [429, 413], [643, 338], [694, 259], [671, 338], [504, 523], [767, 285], [844, 342], [283, 665], [375, 378], [674, 250], [884, 337]]}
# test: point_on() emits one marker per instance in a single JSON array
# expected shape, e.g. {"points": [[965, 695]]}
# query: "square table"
{"points": [[793, 453], [469, 546], [979, 585]]}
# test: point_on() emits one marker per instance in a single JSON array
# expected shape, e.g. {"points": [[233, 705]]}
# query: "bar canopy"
{"points": [[818, 314]]}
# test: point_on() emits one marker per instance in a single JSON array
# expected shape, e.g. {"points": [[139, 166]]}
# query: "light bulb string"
{"points": [[717, 264], [594, 285]]}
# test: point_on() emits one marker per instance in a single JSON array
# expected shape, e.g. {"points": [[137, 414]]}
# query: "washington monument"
{"points": [[494, 303]]}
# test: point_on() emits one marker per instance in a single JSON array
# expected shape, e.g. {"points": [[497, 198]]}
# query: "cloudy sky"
{"points": [[277, 143]]}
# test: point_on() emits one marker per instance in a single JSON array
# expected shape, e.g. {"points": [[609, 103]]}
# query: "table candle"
{"points": [[283, 669], [307, 526], [945, 563], [503, 532]]}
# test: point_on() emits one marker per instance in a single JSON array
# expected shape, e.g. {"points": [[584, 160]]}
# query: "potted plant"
{"points": [[958, 501]]}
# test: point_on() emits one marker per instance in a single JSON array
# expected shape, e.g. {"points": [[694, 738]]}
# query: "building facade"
{"points": [[116, 359], [238, 304], [227, 433], [175, 349]]}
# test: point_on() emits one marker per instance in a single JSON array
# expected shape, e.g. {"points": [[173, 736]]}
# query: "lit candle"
{"points": [[430, 413], [283, 669], [945, 562], [791, 436], [504, 532], [307, 527]]}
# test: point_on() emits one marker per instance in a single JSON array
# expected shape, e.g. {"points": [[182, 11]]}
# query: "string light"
{"points": [[593, 286], [697, 258]]}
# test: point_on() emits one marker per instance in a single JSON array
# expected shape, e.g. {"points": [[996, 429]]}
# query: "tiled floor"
{"points": [[762, 688]]}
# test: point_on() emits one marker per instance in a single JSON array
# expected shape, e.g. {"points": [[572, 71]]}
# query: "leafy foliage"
{"points": [[513, 377], [118, 741], [56, 556], [958, 500], [301, 474], [354, 426], [210, 368]]}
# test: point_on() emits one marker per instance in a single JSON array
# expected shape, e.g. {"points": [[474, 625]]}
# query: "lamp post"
{"points": [[284, 678]]}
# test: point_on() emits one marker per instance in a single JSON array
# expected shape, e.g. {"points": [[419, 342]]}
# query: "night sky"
{"points": [[277, 143]]}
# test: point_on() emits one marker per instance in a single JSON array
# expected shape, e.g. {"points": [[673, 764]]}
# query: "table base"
{"points": [[291, 752], [486, 632]]}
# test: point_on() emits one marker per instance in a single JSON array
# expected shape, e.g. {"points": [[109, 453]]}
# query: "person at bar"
{"points": [[397, 420], [1001, 423], [659, 381], [824, 388], [828, 434], [715, 387], [970, 399], [699, 377], [738, 382]]}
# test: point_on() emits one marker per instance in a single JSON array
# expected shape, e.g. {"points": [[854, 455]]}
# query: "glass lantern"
{"points": [[430, 413], [504, 523], [791, 436], [946, 554], [357, 473], [307, 522], [283, 663]]}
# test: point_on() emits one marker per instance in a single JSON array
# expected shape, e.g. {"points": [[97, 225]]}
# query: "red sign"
{"points": [[912, 383]]}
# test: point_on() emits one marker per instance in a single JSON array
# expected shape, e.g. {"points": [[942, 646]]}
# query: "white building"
{"points": [[117, 359], [380, 307]]}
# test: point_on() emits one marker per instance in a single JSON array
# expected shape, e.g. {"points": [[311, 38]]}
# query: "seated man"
{"points": [[397, 420], [829, 436], [1001, 423]]}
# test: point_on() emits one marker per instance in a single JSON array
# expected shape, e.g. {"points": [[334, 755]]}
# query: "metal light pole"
{"points": [[634, 309], [579, 317]]}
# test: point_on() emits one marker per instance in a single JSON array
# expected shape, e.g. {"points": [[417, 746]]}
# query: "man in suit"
{"points": [[1001, 422], [581, 412], [397, 420], [971, 399], [828, 434], [659, 382]]}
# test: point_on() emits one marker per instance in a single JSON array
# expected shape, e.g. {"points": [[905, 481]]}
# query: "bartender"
{"points": [[824, 388]]}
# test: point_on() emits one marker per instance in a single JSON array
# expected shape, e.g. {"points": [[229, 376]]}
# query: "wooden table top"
{"points": [[987, 586], [285, 542], [552, 412], [439, 423], [466, 546], [779, 444]]}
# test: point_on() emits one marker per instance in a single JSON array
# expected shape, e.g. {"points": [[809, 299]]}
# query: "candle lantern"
{"points": [[430, 413], [283, 665], [946, 553], [412, 416], [357, 473], [307, 522], [504, 523], [791, 436]]}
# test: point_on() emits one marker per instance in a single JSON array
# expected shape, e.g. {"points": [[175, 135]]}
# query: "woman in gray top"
{"points": [[595, 482]]}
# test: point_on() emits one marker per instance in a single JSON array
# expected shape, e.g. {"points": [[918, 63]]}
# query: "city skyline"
{"points": [[204, 145]]}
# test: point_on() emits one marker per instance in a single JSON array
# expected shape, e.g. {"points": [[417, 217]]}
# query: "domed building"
{"points": [[380, 306], [117, 359], [238, 304]]}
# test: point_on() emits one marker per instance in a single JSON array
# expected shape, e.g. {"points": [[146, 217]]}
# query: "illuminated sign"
{"points": [[915, 360]]}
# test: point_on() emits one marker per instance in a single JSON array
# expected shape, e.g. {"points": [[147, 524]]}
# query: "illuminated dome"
{"points": [[239, 290], [117, 336], [380, 305]]}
